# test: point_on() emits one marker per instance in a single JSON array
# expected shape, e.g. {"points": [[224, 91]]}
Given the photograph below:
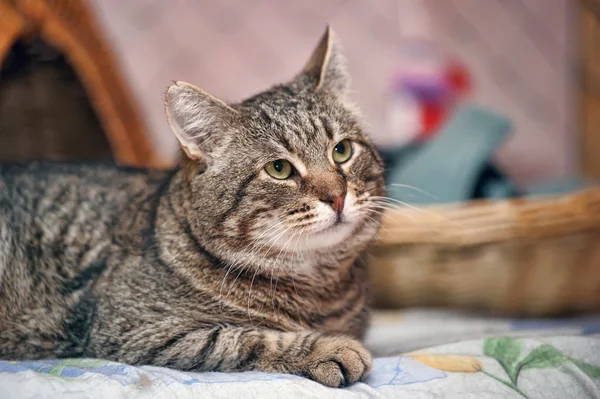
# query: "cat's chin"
{"points": [[353, 230], [331, 236], [327, 238]]}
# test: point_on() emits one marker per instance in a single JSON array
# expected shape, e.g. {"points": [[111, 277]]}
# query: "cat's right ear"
{"points": [[327, 66], [195, 116]]}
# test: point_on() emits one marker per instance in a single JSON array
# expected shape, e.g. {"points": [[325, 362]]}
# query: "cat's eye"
{"points": [[342, 151], [279, 169]]}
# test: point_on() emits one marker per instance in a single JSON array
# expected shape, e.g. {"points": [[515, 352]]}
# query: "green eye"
{"points": [[342, 151], [279, 169]]}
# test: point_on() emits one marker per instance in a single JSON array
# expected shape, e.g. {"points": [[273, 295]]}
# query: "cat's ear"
{"points": [[327, 65], [196, 117]]}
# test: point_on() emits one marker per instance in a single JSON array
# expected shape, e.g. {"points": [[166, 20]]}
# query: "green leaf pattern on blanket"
{"points": [[543, 357], [507, 352], [591, 370]]}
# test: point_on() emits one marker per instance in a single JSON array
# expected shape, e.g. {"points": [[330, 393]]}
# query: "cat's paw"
{"points": [[337, 362]]}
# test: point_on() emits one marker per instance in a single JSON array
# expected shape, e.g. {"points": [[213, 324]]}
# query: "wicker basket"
{"points": [[526, 256], [70, 27]]}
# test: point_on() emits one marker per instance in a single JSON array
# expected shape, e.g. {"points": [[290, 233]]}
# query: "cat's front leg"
{"points": [[334, 361]]}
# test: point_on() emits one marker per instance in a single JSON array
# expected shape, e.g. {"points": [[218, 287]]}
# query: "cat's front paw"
{"points": [[337, 362]]}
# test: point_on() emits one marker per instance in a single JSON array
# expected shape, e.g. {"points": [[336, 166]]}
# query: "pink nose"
{"points": [[336, 201]]}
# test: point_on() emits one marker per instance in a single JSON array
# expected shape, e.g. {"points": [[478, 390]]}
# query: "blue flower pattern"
{"points": [[401, 371]]}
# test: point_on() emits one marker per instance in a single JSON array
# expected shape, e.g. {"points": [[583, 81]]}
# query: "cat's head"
{"points": [[286, 171]]}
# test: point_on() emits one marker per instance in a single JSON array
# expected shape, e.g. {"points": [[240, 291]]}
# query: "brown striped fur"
{"points": [[215, 265]]}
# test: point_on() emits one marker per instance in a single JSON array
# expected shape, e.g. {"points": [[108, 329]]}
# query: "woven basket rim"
{"points": [[487, 221]]}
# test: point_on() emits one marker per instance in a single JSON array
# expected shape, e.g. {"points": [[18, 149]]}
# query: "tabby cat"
{"points": [[246, 257]]}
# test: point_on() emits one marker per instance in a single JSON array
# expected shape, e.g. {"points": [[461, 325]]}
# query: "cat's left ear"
{"points": [[327, 66], [197, 118]]}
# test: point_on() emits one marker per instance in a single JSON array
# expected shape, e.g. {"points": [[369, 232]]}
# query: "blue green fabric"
{"points": [[447, 167], [457, 165]]}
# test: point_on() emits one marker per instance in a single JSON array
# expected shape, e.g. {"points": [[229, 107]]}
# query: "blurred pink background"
{"points": [[520, 54]]}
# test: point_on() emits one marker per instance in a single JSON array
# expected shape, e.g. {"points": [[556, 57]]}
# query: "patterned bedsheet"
{"points": [[526, 358]]}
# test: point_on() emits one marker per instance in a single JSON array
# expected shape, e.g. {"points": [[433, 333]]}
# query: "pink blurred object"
{"points": [[434, 81], [428, 83]]}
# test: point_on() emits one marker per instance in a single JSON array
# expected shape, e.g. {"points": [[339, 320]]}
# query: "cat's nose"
{"points": [[335, 200]]}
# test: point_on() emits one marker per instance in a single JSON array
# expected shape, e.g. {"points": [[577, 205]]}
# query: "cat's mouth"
{"points": [[337, 223], [326, 229], [330, 234]]}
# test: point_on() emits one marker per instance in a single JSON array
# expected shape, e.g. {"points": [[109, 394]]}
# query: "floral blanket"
{"points": [[534, 360]]}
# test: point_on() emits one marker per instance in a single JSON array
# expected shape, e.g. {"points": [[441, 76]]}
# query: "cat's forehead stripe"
{"points": [[327, 128], [299, 165]]}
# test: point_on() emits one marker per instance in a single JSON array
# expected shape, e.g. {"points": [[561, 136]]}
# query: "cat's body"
{"points": [[87, 251], [204, 267]]}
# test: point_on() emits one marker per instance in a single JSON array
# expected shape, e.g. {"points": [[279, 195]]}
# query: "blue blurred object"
{"points": [[456, 164], [453, 165]]}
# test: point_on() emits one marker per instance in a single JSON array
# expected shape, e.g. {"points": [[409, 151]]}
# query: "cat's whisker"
{"points": [[273, 243], [259, 267], [389, 205], [265, 240], [382, 212], [377, 222], [250, 294], [268, 233], [384, 206], [304, 226], [372, 220], [234, 262], [266, 230], [301, 218], [397, 186], [393, 200], [292, 265], [374, 208], [277, 266], [255, 253], [416, 208]]}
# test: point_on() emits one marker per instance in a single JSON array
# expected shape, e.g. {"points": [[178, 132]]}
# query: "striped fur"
{"points": [[214, 265]]}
